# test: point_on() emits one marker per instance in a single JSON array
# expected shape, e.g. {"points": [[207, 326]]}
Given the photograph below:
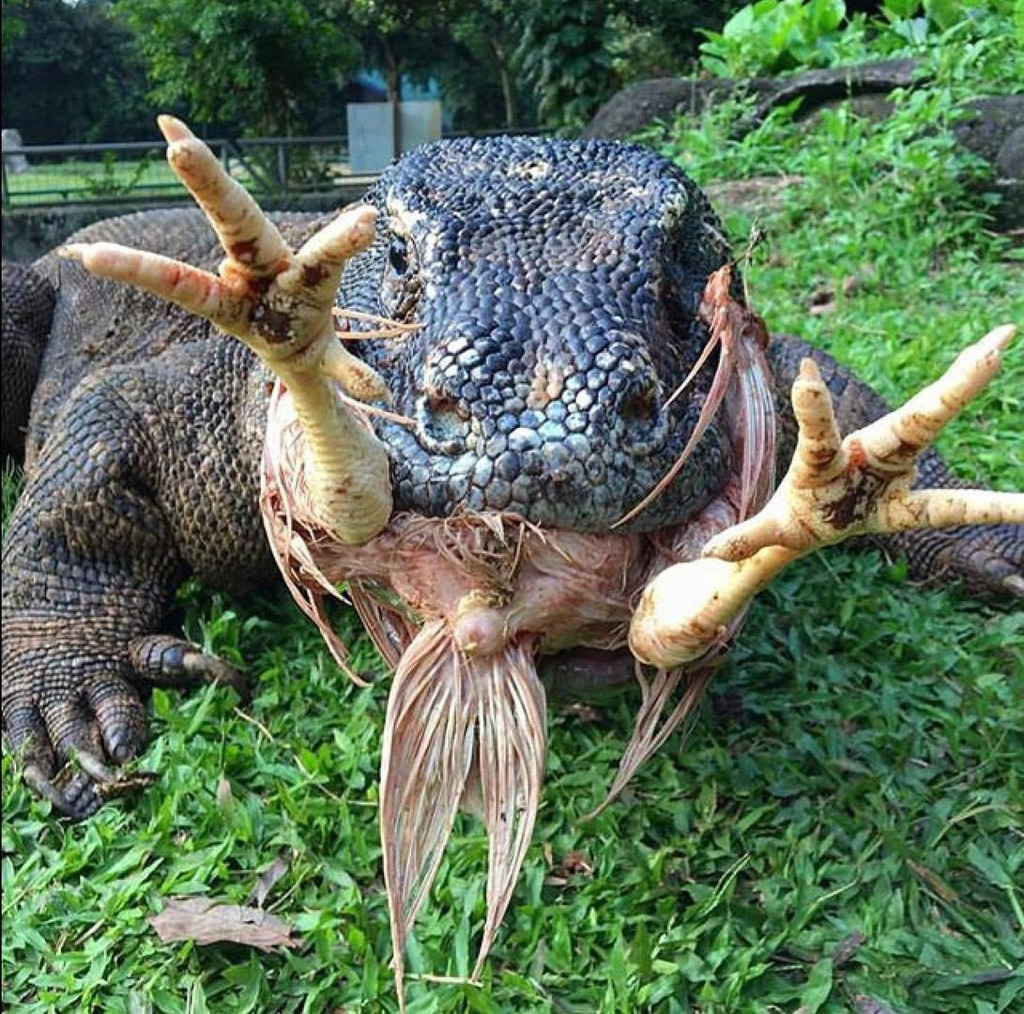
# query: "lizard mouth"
{"points": [[462, 608]]}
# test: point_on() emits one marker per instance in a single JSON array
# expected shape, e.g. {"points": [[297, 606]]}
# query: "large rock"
{"points": [[663, 98], [994, 130]]}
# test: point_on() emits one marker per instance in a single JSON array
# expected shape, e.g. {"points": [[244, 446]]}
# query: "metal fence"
{"points": [[44, 175], [55, 174]]}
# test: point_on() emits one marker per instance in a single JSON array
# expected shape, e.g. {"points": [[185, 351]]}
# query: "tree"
{"points": [[71, 73], [578, 55], [260, 65], [566, 52], [484, 60]]}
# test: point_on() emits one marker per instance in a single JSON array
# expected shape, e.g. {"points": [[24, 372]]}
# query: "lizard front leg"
{"points": [[95, 548]]}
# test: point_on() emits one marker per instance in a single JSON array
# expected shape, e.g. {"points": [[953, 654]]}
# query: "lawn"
{"points": [[130, 177], [843, 828], [56, 182]]}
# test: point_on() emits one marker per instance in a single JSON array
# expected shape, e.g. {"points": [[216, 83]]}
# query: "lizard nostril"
{"points": [[443, 420], [640, 405], [638, 397], [440, 402]]}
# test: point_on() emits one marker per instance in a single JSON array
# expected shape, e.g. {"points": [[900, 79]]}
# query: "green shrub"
{"points": [[775, 36], [771, 36]]}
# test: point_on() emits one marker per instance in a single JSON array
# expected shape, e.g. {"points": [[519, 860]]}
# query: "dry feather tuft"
{"points": [[453, 723], [512, 729], [467, 729], [426, 756], [649, 732]]}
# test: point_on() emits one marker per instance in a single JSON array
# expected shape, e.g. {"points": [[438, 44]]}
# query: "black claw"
{"points": [[120, 743], [92, 764]]}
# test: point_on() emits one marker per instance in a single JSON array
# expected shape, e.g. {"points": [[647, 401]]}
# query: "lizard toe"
{"points": [[72, 799], [79, 798], [120, 717], [167, 661], [85, 733], [27, 735], [71, 727], [987, 560]]}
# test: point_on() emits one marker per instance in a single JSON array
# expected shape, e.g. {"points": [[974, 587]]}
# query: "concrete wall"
{"points": [[30, 232]]}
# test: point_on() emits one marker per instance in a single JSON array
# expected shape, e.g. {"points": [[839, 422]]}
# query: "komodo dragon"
{"points": [[521, 328]]}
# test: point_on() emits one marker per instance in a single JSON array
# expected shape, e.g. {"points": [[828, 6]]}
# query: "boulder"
{"points": [[662, 98], [994, 130], [646, 102]]}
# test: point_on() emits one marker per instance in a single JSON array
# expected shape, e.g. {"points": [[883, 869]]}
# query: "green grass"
{"points": [[857, 768], [59, 182], [110, 178]]}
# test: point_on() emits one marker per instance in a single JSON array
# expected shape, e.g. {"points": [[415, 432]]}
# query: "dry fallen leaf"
{"points": [[934, 881], [846, 948], [584, 712], [823, 300], [864, 1004], [572, 864], [126, 783], [270, 876], [205, 922], [225, 797]]}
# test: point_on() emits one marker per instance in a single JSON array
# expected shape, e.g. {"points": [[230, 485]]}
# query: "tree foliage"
{"points": [[261, 65], [99, 68], [400, 38], [577, 56], [567, 53], [71, 72]]}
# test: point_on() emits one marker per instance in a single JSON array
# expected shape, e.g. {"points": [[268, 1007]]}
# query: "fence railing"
{"points": [[44, 175], [130, 172]]}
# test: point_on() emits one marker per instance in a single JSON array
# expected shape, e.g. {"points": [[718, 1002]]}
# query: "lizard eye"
{"points": [[398, 255], [399, 284]]}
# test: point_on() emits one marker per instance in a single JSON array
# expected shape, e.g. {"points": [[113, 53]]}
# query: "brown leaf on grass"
{"points": [[205, 922], [823, 300], [572, 864], [584, 712], [126, 783], [225, 797], [863, 1004], [818, 307], [935, 883], [270, 876], [846, 948]]}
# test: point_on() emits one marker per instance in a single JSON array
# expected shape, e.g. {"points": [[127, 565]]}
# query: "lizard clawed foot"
{"points": [[834, 489], [73, 742], [78, 741]]}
